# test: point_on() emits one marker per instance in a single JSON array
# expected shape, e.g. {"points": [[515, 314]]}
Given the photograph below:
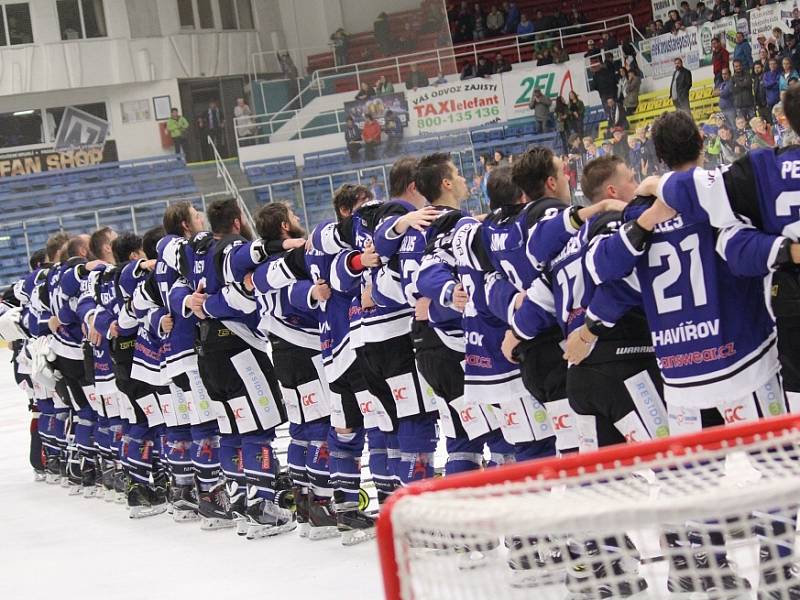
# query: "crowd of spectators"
{"points": [[471, 22]]}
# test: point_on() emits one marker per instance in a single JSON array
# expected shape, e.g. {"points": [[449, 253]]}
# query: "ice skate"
{"points": [[39, 475], [321, 519], [355, 526], [107, 472], [53, 470], [780, 582], [721, 582], [529, 565], [214, 507], [267, 519], [301, 501], [74, 478], [144, 501], [88, 479], [120, 486], [183, 499]]}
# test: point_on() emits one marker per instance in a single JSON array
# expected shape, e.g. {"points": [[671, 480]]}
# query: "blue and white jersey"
{"points": [[438, 277], [707, 351], [755, 202], [177, 348], [65, 292], [89, 308]]}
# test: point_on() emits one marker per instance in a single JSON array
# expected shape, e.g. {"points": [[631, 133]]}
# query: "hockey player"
{"points": [[191, 422], [289, 316], [693, 305], [353, 407], [239, 376]]}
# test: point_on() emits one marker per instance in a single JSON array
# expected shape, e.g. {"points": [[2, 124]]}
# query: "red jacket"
{"points": [[720, 60], [371, 131]]}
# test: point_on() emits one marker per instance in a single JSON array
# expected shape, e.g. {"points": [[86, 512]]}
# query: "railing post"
{"points": [[133, 219], [305, 210], [439, 59], [397, 66], [358, 78], [97, 219], [519, 52]]}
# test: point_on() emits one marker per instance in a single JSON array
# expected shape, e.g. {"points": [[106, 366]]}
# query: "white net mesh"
{"points": [[717, 522]]}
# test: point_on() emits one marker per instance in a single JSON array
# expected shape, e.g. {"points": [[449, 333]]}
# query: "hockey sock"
{"points": [[318, 468], [417, 437], [502, 453], [36, 451], [385, 479], [179, 446], [115, 437], [230, 459], [537, 449], [139, 454], [345, 463], [260, 465], [296, 457], [463, 455], [206, 455], [84, 422]]}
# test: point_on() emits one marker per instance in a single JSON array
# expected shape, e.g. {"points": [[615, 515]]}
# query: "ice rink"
{"points": [[55, 546]]}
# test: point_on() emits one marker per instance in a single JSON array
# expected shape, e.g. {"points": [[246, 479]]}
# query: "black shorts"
{"points": [[347, 386], [599, 390], [789, 352], [293, 364], [543, 368], [226, 384], [387, 359], [73, 381]]}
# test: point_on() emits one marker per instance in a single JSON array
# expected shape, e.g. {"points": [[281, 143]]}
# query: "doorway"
{"points": [[208, 106]]}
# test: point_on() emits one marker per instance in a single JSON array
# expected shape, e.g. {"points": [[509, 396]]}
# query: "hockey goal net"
{"points": [[713, 513]]}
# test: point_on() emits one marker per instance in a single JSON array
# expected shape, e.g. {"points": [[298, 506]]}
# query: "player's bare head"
{"points": [[348, 198], [437, 176], [608, 177], [150, 241], [677, 139], [225, 216], [78, 246], [100, 243], [402, 177], [539, 173], [55, 244], [501, 188], [791, 107], [182, 219], [276, 221], [127, 246], [37, 259]]}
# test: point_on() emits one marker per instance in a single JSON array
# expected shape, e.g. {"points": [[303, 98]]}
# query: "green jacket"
{"points": [[176, 127]]}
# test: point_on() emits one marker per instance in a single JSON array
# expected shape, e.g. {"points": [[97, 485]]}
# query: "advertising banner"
{"points": [[553, 80], [38, 161], [456, 105], [377, 106], [724, 29], [664, 49], [661, 8]]}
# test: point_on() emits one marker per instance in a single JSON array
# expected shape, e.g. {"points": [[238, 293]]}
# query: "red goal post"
{"points": [[719, 442]]}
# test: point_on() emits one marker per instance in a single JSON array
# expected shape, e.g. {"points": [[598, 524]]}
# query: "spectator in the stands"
{"points": [[763, 59], [743, 99], [680, 86], [561, 18], [393, 128], [772, 82], [176, 128], [381, 29], [500, 64], [377, 188], [605, 82], [479, 30], [560, 116], [730, 149], [465, 21], [743, 52], [434, 18], [365, 92], [616, 115], [525, 29], [512, 17], [779, 38], [485, 67], [544, 58], [371, 136], [793, 50], [589, 149], [540, 105], [495, 21], [609, 42], [499, 157], [577, 110], [724, 91], [688, 16], [383, 86], [622, 81], [468, 70], [704, 14], [619, 144], [560, 55], [352, 137], [721, 9], [244, 122], [591, 49], [340, 43], [762, 137], [635, 155], [720, 59], [440, 79], [633, 84], [406, 42], [760, 92], [673, 22], [787, 73], [416, 79]]}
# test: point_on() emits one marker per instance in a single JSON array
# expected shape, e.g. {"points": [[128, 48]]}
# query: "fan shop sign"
{"points": [[39, 162], [455, 105]]}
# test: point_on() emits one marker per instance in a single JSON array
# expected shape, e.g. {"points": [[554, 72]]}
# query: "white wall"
{"points": [[359, 15], [134, 140]]}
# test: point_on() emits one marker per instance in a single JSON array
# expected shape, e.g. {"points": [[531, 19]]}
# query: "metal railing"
{"points": [[230, 185]]}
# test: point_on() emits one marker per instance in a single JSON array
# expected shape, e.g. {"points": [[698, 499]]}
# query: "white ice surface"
{"points": [[56, 547]]}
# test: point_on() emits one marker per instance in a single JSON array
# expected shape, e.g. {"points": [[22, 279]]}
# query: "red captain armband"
{"points": [[354, 262]]}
